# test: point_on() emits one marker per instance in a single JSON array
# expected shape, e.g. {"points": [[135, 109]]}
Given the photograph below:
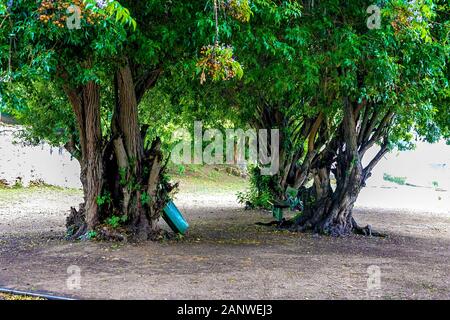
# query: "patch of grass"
{"points": [[398, 180], [11, 194], [18, 184], [207, 179], [4, 296], [35, 187]]}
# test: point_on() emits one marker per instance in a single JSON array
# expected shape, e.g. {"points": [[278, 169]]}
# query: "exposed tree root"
{"points": [[283, 224], [107, 233], [366, 231], [77, 230], [334, 231], [75, 223]]}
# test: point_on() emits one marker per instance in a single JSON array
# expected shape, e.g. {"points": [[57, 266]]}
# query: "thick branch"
{"points": [[380, 154], [314, 130]]}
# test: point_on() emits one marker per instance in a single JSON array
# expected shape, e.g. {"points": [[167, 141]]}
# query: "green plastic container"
{"points": [[174, 218]]}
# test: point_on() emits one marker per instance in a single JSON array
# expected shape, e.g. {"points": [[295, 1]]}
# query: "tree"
{"points": [[333, 83], [104, 66], [373, 87], [389, 84], [337, 87]]}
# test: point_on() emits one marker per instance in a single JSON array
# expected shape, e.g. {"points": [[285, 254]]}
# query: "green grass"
{"points": [[398, 180], [192, 179], [13, 193], [207, 179], [4, 296]]}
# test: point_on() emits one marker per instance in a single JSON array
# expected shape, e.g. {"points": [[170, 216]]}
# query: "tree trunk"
{"points": [[85, 102], [121, 178], [93, 156], [329, 211], [140, 172]]}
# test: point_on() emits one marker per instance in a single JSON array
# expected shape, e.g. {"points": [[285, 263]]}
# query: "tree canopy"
{"points": [[336, 77]]}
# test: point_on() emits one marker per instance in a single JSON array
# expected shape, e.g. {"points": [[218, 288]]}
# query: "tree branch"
{"points": [[377, 134], [314, 130], [146, 82], [368, 169]]}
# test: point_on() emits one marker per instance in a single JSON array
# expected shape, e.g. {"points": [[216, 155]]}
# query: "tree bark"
{"points": [[130, 155], [92, 158], [85, 103], [329, 211], [120, 177]]}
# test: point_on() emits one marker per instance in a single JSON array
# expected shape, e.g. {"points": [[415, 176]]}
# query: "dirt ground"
{"points": [[225, 255]]}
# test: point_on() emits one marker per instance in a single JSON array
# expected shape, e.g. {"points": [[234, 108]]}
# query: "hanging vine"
{"points": [[217, 61]]}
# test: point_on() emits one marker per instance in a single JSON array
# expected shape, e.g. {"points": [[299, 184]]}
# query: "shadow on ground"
{"points": [[224, 256]]}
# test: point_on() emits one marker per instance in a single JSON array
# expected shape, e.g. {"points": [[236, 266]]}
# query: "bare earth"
{"points": [[225, 255]]}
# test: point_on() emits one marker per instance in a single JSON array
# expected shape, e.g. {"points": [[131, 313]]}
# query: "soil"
{"points": [[225, 255]]}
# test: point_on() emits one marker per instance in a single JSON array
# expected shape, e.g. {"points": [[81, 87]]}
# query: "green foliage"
{"points": [[114, 10], [91, 235], [104, 199], [123, 176], [262, 192], [43, 110], [48, 57], [18, 184], [181, 169], [145, 198], [238, 9], [116, 221], [394, 179], [218, 63]]}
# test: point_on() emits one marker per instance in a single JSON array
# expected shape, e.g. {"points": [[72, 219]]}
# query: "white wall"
{"points": [[34, 163]]}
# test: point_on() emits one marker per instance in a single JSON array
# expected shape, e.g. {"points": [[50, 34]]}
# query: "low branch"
{"points": [[71, 147], [367, 171], [368, 131], [363, 126]]}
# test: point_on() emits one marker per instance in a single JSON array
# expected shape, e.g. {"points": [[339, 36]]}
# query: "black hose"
{"points": [[31, 294]]}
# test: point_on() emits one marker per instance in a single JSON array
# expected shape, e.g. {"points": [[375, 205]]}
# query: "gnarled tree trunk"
{"points": [[121, 177], [329, 211], [141, 171]]}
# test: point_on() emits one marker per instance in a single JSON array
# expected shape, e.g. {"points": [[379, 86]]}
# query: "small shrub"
{"points": [[38, 183], [3, 184], [181, 169], [18, 184], [263, 190]]}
